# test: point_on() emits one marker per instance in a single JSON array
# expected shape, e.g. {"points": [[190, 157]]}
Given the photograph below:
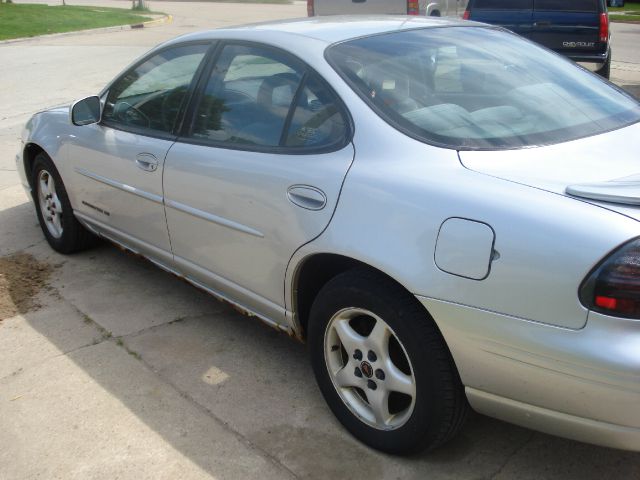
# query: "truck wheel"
{"points": [[605, 70]]}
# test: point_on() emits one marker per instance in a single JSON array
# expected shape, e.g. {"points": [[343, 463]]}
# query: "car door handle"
{"points": [[305, 196], [147, 162], [542, 24]]}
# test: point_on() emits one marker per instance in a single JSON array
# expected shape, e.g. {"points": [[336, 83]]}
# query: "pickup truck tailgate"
{"points": [[568, 27]]}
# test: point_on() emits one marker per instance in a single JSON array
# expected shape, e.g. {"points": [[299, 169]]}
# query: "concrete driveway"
{"points": [[111, 368]]}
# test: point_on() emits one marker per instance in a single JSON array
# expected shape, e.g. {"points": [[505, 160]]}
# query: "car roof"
{"points": [[328, 29]]}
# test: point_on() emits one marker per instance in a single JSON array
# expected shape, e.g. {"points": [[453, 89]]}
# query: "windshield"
{"points": [[479, 88]]}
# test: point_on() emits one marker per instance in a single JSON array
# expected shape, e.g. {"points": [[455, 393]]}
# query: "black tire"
{"points": [[605, 70], [435, 13], [440, 407], [74, 236]]}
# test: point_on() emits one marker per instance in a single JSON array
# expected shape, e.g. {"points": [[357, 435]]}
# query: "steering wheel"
{"points": [[132, 115]]}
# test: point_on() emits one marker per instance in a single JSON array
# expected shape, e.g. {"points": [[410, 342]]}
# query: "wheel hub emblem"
{"points": [[367, 369]]}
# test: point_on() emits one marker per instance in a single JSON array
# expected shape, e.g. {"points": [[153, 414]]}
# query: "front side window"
{"points": [[258, 97], [479, 88], [150, 96]]}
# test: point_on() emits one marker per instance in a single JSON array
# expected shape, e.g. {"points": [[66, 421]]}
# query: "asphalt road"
{"points": [[126, 372]]}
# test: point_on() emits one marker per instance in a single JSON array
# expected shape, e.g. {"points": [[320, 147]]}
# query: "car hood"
{"points": [[56, 109], [603, 169]]}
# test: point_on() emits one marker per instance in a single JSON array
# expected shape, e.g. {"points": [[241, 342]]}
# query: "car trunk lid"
{"points": [[603, 169]]}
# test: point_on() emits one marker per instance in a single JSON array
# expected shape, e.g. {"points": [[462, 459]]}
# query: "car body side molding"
{"points": [[120, 186]]}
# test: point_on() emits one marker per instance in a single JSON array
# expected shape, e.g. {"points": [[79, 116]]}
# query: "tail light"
{"points": [[311, 11], [613, 288], [466, 15], [413, 7], [604, 27]]}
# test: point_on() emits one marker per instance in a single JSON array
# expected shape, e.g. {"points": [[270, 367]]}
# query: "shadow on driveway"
{"points": [[196, 372]]}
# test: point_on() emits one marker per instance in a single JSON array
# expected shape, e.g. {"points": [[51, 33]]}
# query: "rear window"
{"points": [[479, 88], [567, 5], [502, 4]]}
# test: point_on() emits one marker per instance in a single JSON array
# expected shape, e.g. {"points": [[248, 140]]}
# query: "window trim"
{"points": [[307, 71], [174, 133]]}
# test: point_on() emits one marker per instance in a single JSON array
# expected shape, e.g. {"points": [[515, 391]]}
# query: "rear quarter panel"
{"points": [[400, 191]]}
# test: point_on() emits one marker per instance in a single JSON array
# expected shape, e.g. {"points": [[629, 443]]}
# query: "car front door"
{"points": [[256, 175], [117, 165]]}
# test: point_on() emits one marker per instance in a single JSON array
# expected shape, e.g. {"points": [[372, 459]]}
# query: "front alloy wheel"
{"points": [[55, 214], [50, 204]]}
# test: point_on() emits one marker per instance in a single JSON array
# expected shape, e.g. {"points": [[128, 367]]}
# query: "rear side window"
{"points": [[261, 98], [317, 119], [248, 97], [567, 5], [504, 4]]}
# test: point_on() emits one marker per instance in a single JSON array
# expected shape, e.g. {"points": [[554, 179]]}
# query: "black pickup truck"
{"points": [[578, 29]]}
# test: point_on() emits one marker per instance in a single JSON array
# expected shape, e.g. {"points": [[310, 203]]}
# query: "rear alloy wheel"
{"points": [[59, 225], [382, 365], [369, 368]]}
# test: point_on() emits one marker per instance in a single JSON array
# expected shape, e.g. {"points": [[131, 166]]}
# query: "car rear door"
{"points": [[568, 27], [362, 7], [256, 174], [515, 15]]}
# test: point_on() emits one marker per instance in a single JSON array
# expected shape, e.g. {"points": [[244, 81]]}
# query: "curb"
{"points": [[116, 28]]}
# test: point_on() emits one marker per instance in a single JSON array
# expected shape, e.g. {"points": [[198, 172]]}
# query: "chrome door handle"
{"points": [[308, 197], [147, 162]]}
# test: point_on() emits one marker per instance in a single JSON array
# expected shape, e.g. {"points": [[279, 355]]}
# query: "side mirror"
{"points": [[86, 111]]}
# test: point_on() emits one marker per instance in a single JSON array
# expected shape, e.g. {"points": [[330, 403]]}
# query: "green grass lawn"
{"points": [[632, 11], [28, 20], [624, 18], [628, 6]]}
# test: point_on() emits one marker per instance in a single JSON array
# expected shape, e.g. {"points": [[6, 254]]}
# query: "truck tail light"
{"points": [[604, 27], [613, 287], [413, 7], [466, 15], [310, 8]]}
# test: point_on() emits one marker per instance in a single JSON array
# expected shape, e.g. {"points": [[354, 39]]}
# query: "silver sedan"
{"points": [[446, 213]]}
